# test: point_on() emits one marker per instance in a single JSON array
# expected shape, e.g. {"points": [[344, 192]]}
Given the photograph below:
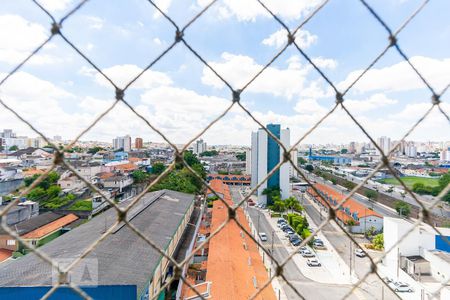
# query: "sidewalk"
{"points": [[276, 282], [333, 269]]}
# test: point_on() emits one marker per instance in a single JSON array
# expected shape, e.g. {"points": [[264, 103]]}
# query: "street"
{"points": [[307, 288]]}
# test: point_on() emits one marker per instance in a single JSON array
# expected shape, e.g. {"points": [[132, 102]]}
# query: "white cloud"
{"points": [[376, 101], [249, 10], [95, 22], [55, 5], [279, 38], [400, 76], [324, 63], [239, 69], [121, 75], [163, 5], [19, 37], [157, 41]]}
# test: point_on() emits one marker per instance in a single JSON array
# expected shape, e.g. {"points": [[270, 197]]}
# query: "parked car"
{"points": [[401, 287], [286, 228], [307, 253], [318, 243], [388, 279], [263, 236], [360, 253], [302, 248], [296, 242], [314, 262], [280, 220], [294, 236]]}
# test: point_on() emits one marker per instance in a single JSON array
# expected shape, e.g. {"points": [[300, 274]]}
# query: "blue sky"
{"points": [[59, 93]]}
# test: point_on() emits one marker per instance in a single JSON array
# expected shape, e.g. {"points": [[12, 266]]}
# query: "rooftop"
{"points": [[229, 271], [50, 227], [157, 215], [34, 223]]}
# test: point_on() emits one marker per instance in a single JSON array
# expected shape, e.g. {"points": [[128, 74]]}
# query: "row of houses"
{"points": [[229, 265], [353, 214]]}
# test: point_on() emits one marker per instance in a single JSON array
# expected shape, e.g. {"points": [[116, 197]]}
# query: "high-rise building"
{"points": [[248, 161], [266, 154], [385, 145], [294, 157], [122, 142], [199, 147], [352, 147], [138, 143], [7, 133]]}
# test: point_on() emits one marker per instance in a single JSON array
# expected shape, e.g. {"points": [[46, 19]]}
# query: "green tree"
{"points": [[309, 168], [402, 208], [371, 194], [95, 149], [13, 148], [301, 161], [272, 193], [293, 204], [278, 206], [53, 191], [52, 178], [241, 156], [209, 153], [158, 168], [344, 151], [139, 176], [378, 242], [37, 194]]}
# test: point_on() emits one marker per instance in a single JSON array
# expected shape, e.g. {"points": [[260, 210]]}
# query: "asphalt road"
{"points": [[345, 247], [376, 207], [307, 288]]}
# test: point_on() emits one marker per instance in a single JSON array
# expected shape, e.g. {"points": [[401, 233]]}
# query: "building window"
{"points": [[11, 242]]}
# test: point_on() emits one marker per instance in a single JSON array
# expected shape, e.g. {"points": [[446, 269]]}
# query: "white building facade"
{"points": [[122, 142], [265, 155]]}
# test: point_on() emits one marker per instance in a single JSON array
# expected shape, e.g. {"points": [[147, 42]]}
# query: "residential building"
{"points": [[123, 265], [385, 145], [37, 142], [229, 266], [358, 217], [199, 147], [294, 157], [417, 254], [266, 154], [248, 161], [23, 211], [445, 155], [119, 181], [122, 142], [37, 231], [138, 143]]}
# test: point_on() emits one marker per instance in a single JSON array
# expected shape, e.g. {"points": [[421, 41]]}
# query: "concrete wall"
{"points": [[366, 222], [262, 164], [160, 271], [440, 268], [284, 170], [413, 244]]}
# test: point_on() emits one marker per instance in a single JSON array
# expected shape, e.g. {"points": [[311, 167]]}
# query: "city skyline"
{"points": [[180, 96]]}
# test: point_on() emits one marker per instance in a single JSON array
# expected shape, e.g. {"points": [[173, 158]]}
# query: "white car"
{"points": [[359, 253], [307, 253], [263, 236], [401, 287], [314, 262]]}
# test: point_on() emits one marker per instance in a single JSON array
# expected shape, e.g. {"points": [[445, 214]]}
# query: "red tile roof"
{"points": [[50, 227], [351, 204]]}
